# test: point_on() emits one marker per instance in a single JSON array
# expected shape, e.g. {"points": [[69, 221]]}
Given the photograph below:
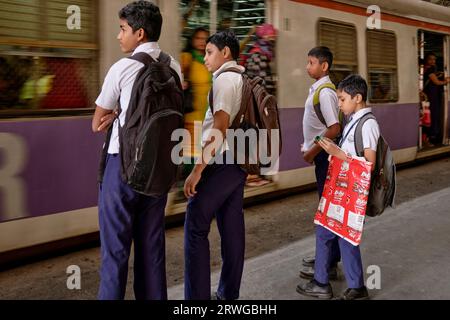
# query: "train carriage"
{"points": [[55, 53]]}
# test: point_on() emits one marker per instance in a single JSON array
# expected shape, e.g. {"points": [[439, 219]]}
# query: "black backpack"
{"points": [[383, 182], [154, 112]]}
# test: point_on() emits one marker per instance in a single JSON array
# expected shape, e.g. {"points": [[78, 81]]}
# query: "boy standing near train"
{"points": [[216, 190], [124, 214], [320, 60], [352, 93]]}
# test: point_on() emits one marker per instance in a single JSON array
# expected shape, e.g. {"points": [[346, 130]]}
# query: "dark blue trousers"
{"points": [[351, 258], [321, 170], [124, 216], [220, 193]]}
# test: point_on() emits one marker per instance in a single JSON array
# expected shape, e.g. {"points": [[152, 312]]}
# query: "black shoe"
{"points": [[355, 294], [308, 273], [309, 261], [312, 289]]}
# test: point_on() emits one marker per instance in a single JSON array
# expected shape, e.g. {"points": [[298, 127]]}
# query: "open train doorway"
{"points": [[433, 86]]}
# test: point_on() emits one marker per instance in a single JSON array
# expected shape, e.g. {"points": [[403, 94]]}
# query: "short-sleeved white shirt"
{"points": [[119, 83], [370, 133], [227, 96], [312, 126]]}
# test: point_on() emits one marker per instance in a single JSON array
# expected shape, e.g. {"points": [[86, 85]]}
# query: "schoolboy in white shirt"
{"points": [[320, 60], [124, 214], [216, 190], [352, 93]]}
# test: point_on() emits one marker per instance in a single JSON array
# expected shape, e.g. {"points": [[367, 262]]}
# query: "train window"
{"points": [[48, 57], [341, 39], [240, 16], [382, 66]]}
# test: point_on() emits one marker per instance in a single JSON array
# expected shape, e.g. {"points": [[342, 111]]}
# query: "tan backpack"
{"points": [[258, 111]]}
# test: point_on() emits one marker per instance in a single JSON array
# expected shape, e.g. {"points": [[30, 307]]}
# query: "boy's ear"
{"points": [[227, 53], [359, 98], [141, 34], [325, 66]]}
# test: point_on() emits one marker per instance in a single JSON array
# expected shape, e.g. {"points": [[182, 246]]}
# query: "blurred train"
{"points": [[59, 52]]}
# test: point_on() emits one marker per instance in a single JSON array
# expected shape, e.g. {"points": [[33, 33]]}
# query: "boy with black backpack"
{"points": [[132, 199], [352, 93], [321, 118]]}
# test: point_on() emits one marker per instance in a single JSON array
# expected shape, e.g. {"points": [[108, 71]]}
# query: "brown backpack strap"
{"points": [[248, 86]]}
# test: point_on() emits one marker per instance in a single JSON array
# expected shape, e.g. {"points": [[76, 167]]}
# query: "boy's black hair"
{"points": [[322, 53], [145, 15], [354, 84], [226, 38]]}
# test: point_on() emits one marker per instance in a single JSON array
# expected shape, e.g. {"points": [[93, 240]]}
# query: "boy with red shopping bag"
{"points": [[342, 208], [343, 204]]}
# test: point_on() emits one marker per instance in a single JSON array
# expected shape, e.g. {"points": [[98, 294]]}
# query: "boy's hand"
{"points": [[331, 148], [107, 120], [190, 184], [308, 157]]}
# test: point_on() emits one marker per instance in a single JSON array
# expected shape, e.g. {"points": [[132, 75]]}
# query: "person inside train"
{"points": [[214, 189], [320, 60], [352, 93], [196, 85], [433, 88], [124, 214], [259, 61]]}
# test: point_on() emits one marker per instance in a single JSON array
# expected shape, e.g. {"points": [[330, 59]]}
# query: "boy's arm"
{"points": [[328, 99], [106, 110], [102, 119], [221, 122], [370, 135], [331, 148], [331, 133], [371, 156], [225, 94]]}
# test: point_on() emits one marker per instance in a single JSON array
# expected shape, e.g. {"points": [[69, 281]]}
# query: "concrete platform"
{"points": [[410, 244]]}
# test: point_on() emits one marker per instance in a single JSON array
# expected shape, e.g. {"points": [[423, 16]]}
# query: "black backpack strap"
{"points": [[210, 95], [359, 145], [164, 58], [142, 57]]}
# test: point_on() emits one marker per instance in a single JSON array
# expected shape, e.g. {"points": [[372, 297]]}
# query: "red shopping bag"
{"points": [[342, 208]]}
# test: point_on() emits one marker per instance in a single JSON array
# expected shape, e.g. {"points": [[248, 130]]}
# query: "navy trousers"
{"points": [[220, 193], [321, 170], [124, 216], [351, 258]]}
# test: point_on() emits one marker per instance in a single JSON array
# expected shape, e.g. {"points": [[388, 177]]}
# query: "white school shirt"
{"points": [[312, 126], [119, 83], [227, 96], [370, 133]]}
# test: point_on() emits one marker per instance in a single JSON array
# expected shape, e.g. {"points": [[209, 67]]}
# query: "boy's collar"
{"points": [[146, 46], [360, 113], [321, 81], [226, 65]]}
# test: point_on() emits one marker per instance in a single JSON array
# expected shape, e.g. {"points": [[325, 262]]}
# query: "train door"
{"points": [[433, 59]]}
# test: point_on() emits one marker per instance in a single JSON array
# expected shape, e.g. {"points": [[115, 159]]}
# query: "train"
{"points": [[59, 52]]}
